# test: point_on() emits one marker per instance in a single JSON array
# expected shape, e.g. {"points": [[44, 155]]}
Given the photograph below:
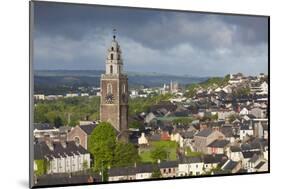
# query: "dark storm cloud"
{"points": [[76, 37]]}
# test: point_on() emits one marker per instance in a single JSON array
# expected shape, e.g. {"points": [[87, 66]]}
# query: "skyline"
{"points": [[74, 37]]}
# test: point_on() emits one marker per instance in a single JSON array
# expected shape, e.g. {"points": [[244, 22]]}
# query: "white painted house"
{"points": [[191, 166], [62, 157]]}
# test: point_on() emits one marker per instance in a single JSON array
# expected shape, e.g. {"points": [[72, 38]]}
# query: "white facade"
{"points": [[69, 164], [142, 139], [186, 169], [39, 97], [245, 133], [140, 176]]}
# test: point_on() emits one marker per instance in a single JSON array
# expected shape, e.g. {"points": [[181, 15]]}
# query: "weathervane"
{"points": [[114, 33]]}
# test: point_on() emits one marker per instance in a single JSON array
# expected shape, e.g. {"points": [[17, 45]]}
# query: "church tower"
{"points": [[114, 91]]}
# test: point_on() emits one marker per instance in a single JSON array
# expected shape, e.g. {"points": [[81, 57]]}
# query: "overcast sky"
{"points": [[75, 37]]}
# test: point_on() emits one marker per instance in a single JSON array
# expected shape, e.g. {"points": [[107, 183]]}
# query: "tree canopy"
{"points": [[158, 153], [101, 145], [67, 111], [125, 154]]}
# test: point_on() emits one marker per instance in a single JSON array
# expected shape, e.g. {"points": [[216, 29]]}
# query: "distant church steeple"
{"points": [[114, 91]]}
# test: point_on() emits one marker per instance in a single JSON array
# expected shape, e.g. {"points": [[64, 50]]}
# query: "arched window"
{"points": [[111, 56], [112, 48], [124, 88], [77, 140], [109, 88], [111, 69], [118, 56]]}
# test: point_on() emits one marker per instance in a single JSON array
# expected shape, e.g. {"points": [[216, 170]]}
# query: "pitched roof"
{"points": [[235, 149], [168, 164], [188, 134], [204, 132], [229, 165], [248, 154], [217, 158], [218, 143], [260, 164], [43, 126], [88, 128], [191, 160], [120, 171], [144, 168], [42, 150], [227, 131]]}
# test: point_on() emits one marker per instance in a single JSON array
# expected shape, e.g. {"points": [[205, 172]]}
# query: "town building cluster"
{"points": [[225, 133]]}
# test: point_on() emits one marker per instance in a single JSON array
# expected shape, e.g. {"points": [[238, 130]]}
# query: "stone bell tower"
{"points": [[114, 91]]}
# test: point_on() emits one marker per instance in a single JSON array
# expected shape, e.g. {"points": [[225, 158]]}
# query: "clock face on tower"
{"points": [[109, 99]]}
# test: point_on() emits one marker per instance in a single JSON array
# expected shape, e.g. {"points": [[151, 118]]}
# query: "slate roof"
{"points": [[229, 165], [144, 168], [251, 147], [254, 158], [218, 143], [188, 134], [41, 150], [204, 132], [88, 128], [168, 164], [227, 131], [235, 149], [121, 171], [248, 154], [260, 164], [189, 160], [43, 126], [217, 158]]}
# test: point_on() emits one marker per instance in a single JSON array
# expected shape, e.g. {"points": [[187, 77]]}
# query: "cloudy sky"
{"points": [[75, 37]]}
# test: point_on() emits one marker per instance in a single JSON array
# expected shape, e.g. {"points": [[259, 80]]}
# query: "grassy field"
{"points": [[190, 153], [169, 146]]}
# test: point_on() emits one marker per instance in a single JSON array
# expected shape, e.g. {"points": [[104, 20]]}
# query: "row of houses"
{"points": [[188, 166]]}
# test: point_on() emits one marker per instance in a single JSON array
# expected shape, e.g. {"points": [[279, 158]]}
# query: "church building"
{"points": [[114, 91]]}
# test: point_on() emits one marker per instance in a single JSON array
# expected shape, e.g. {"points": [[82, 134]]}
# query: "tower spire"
{"points": [[114, 33]]}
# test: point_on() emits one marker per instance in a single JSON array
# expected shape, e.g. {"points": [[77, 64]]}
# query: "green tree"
{"points": [[58, 121], [41, 167], [134, 124], [102, 143], [158, 153], [125, 154], [156, 172]]}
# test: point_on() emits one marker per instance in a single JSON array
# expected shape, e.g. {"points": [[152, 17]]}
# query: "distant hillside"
{"points": [[72, 78]]}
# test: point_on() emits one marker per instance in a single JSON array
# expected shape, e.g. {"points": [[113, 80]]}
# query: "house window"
{"points": [[169, 170], [196, 165], [111, 56], [109, 88]]}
